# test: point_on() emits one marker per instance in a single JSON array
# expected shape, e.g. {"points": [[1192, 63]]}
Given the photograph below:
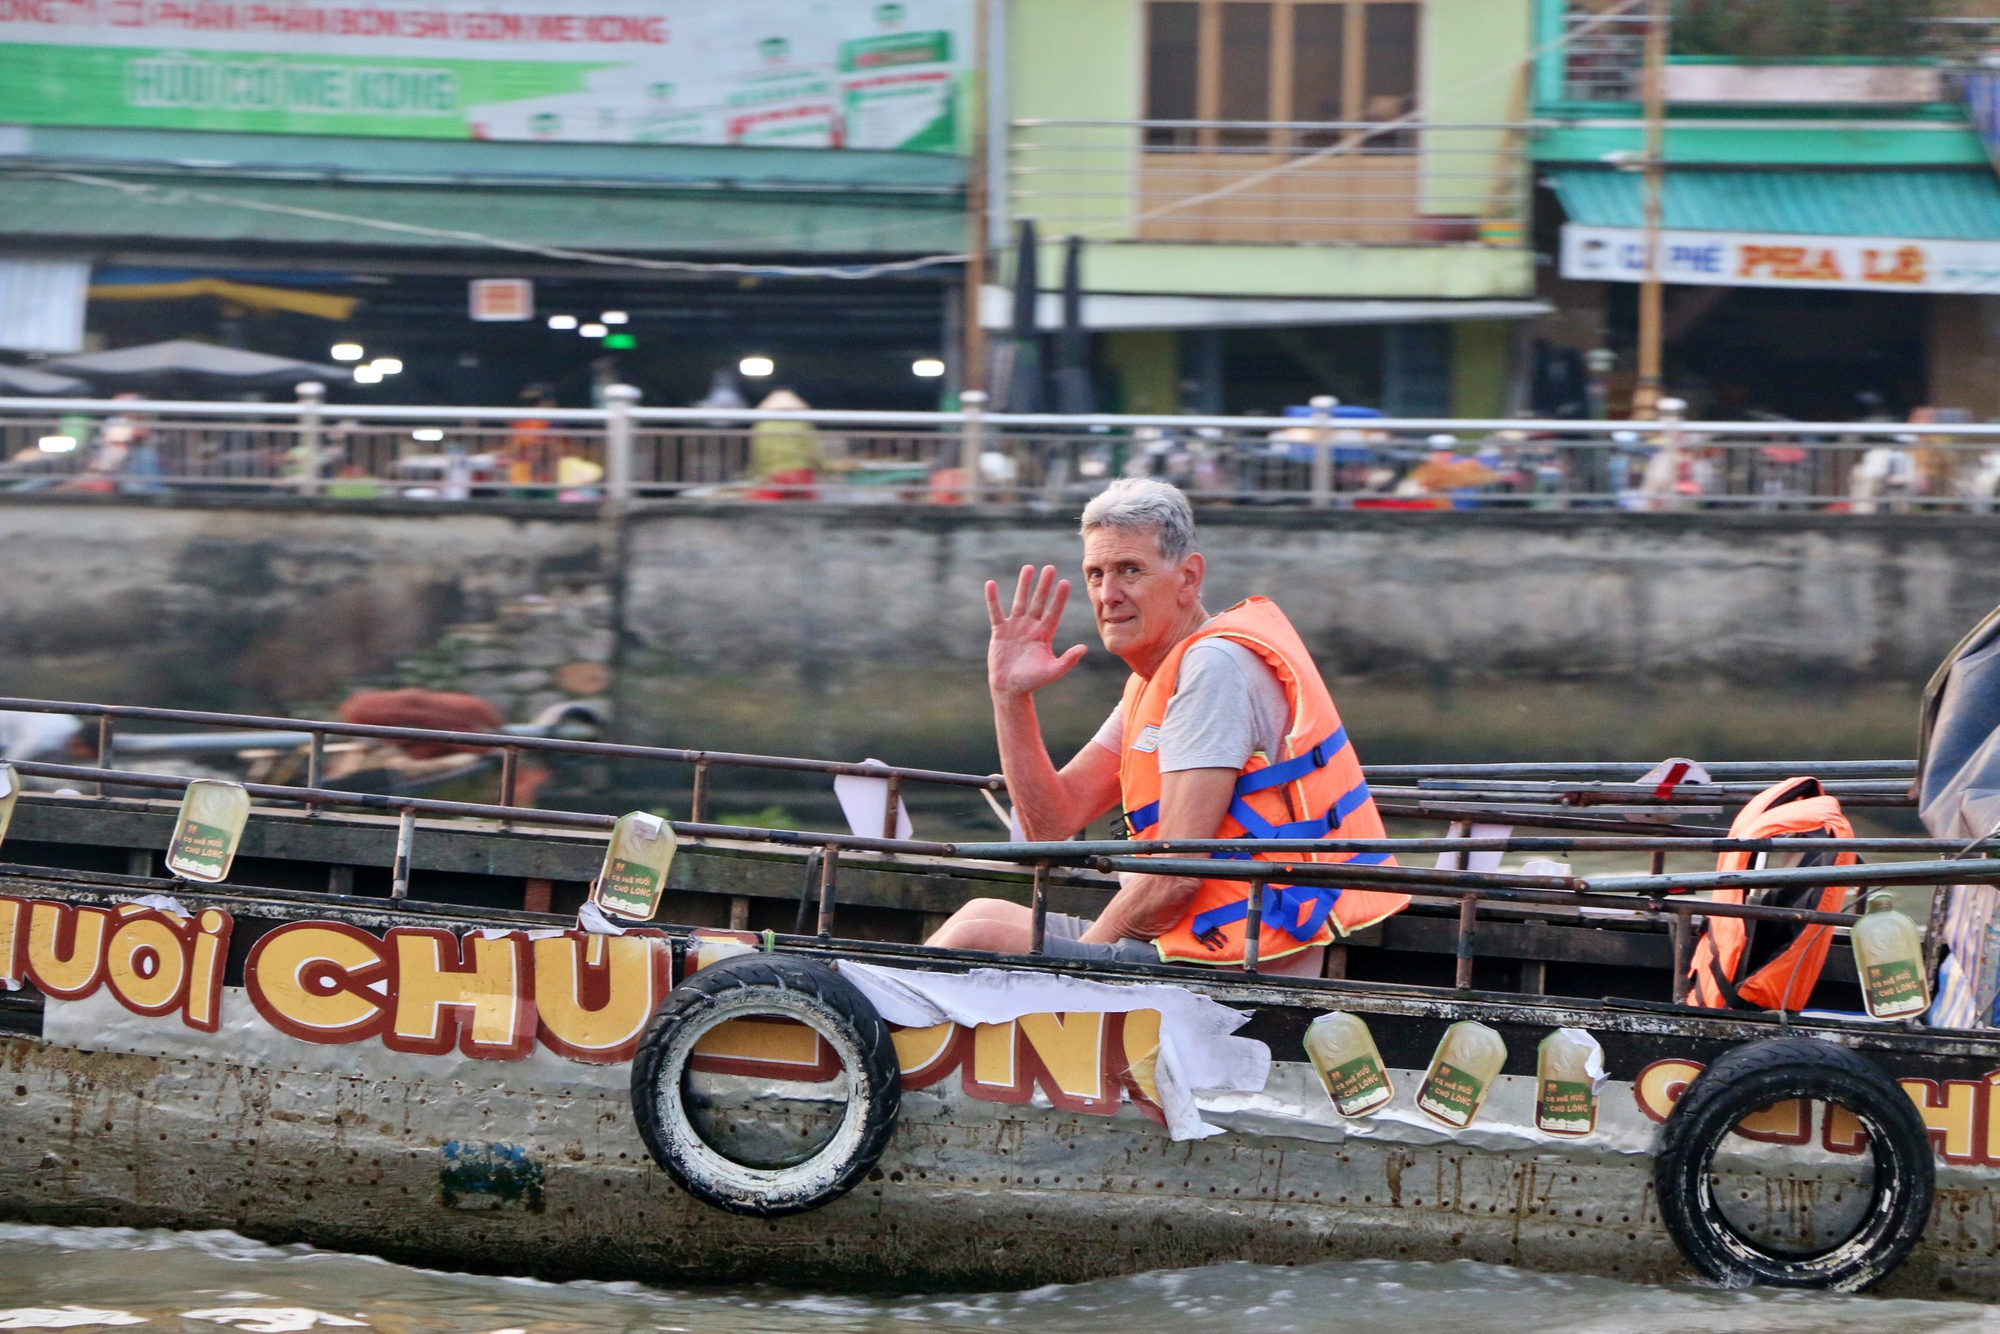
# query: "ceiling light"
{"points": [[346, 352], [928, 368], [367, 375], [615, 317], [388, 365], [56, 444], [428, 434], [562, 321], [593, 331], [756, 367]]}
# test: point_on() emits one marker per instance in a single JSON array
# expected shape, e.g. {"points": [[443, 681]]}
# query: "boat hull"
{"points": [[994, 1177]]}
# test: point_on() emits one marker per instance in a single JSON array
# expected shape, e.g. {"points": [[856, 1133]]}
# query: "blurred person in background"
{"points": [[786, 457]]}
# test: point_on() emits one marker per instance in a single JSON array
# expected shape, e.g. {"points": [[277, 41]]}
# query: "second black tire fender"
{"points": [[1749, 1078], [767, 985]]}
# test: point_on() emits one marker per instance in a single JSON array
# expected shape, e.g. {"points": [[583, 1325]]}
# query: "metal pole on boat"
{"points": [[1468, 924], [1253, 926], [829, 870], [805, 892], [893, 795], [315, 769], [1683, 933], [510, 761], [1933, 934], [406, 829], [698, 803], [105, 745], [1039, 902]]}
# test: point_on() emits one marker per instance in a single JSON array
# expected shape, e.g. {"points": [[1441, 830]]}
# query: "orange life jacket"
{"points": [[1311, 790], [1794, 808]]}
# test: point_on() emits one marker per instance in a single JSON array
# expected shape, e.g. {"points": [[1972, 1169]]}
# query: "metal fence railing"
{"points": [[623, 452]]}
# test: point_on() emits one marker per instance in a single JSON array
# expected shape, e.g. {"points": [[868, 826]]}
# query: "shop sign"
{"points": [[500, 299], [830, 74], [1752, 259]]}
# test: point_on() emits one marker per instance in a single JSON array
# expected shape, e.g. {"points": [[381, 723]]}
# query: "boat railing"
{"points": [[1330, 457], [1673, 899]]}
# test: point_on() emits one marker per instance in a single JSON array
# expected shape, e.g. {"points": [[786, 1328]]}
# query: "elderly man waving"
{"points": [[1225, 731]]}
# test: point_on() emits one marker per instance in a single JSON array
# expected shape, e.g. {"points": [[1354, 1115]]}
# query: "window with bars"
{"points": [[1277, 60]]}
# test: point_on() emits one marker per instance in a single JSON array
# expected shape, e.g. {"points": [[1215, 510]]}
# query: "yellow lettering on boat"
{"points": [[1659, 1086], [66, 949], [768, 1047], [13, 939], [918, 1050], [594, 995], [203, 1007], [147, 964], [482, 1007], [319, 981], [1142, 1050], [993, 1057], [1787, 1122], [1842, 1131], [1947, 1110], [1071, 1048]]}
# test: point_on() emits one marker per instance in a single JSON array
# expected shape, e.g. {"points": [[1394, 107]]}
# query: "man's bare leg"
{"points": [[1306, 963], [994, 925]]}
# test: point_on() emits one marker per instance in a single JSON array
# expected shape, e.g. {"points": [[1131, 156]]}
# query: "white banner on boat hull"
{"points": [[1756, 259]]}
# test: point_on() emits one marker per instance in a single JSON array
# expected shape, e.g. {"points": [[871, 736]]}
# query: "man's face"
{"points": [[1137, 595]]}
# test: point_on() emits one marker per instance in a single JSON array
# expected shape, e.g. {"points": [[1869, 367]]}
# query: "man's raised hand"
{"points": [[1020, 658]]}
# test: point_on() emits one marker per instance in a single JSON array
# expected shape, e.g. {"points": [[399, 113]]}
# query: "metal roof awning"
{"points": [[95, 187], [1862, 231], [1913, 205]]}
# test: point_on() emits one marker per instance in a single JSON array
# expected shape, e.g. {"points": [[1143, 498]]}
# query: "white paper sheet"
{"points": [[1197, 1053]]}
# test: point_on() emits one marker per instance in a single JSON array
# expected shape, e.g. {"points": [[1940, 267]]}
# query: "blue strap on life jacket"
{"points": [[1298, 911], [1276, 775]]}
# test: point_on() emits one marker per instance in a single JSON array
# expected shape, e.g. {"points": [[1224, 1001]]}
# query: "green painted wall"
{"points": [[1474, 69], [1479, 357], [1147, 363], [1301, 271], [1085, 60]]}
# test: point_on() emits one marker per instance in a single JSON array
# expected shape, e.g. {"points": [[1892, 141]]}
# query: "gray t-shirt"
{"points": [[1227, 706]]}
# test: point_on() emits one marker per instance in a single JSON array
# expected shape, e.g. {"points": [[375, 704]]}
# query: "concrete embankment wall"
{"points": [[803, 629]]}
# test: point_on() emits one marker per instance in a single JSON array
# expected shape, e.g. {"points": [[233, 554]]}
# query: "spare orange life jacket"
{"points": [[1314, 788], [1794, 808]]}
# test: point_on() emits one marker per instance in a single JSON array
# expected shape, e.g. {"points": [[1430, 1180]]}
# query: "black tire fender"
{"points": [[767, 985], [1749, 1078]]}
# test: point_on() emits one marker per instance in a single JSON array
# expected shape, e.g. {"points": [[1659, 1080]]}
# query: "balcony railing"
{"points": [[1272, 182], [860, 458]]}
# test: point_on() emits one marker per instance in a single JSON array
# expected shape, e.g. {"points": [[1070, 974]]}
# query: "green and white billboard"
{"points": [[795, 73]]}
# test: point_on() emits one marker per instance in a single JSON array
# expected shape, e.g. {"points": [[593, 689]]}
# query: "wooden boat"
{"points": [[388, 1032]]}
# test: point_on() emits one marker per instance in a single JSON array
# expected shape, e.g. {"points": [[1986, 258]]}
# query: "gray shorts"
{"points": [[1060, 941]]}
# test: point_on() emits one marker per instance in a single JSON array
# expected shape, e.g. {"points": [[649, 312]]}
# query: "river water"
{"points": [[196, 1282]]}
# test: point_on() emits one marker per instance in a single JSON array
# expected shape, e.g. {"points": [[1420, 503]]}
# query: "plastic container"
{"points": [[1889, 955], [635, 867], [1462, 1072], [1343, 1051], [1569, 1074], [208, 831]]}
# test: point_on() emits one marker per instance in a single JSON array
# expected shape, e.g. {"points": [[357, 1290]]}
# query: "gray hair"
{"points": [[1141, 502]]}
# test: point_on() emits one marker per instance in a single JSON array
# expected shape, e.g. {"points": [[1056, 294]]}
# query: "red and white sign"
{"points": [[1752, 259], [502, 299]]}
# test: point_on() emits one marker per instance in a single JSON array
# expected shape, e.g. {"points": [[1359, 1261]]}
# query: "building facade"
{"points": [[1831, 226], [1274, 199]]}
